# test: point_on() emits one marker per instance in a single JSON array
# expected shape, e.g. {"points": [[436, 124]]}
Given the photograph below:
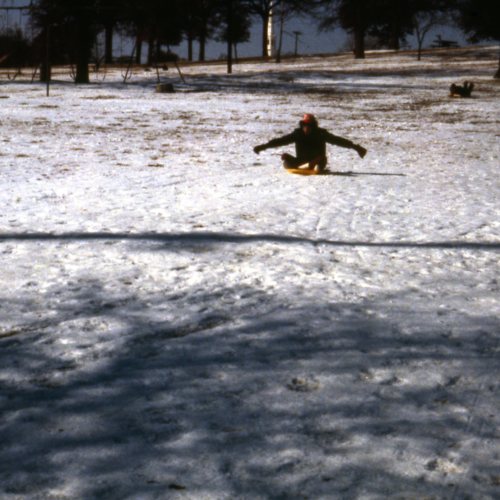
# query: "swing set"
{"points": [[7, 31], [156, 64], [99, 65]]}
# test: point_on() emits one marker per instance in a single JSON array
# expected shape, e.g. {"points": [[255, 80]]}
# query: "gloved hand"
{"points": [[361, 151], [258, 149]]}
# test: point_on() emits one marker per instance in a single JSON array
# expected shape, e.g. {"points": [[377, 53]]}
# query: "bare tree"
{"points": [[423, 22]]}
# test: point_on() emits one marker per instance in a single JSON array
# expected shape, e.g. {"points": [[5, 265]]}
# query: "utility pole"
{"points": [[47, 57], [229, 21]]}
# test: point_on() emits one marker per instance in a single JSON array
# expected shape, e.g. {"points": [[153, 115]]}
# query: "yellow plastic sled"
{"points": [[305, 171]]}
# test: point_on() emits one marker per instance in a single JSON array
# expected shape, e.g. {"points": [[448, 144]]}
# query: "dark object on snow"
{"points": [[175, 486], [165, 88], [464, 90], [443, 44]]}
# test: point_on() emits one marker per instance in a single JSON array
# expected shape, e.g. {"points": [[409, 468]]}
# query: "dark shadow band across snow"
{"points": [[220, 237]]}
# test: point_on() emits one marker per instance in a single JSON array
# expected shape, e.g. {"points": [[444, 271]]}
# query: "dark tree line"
{"points": [[73, 27], [480, 19], [391, 21], [70, 28], [388, 21]]}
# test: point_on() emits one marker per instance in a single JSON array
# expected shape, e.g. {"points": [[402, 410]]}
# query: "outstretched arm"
{"points": [[345, 143], [274, 143]]}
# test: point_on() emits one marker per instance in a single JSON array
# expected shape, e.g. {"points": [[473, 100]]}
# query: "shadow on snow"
{"points": [[296, 400], [221, 238]]}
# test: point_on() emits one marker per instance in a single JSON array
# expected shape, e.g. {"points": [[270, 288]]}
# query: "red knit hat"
{"points": [[309, 119]]}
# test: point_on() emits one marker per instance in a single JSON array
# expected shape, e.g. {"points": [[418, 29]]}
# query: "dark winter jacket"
{"points": [[310, 146]]}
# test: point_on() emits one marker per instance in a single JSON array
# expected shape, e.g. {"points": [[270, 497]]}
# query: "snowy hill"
{"points": [[180, 318]]}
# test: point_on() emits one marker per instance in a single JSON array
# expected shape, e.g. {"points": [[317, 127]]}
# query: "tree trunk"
{"points": [[190, 47], [265, 39], [394, 43], [359, 43], [138, 50], [83, 50], [157, 51], [229, 57], [151, 50], [45, 68], [281, 30], [229, 37], [45, 72], [203, 43], [108, 44]]}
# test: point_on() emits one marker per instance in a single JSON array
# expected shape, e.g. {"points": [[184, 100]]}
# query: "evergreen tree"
{"points": [[354, 16], [73, 24], [109, 13], [392, 22], [234, 28], [163, 26], [198, 20]]}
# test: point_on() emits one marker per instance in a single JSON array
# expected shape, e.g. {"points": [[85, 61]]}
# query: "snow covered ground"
{"points": [[180, 318]]}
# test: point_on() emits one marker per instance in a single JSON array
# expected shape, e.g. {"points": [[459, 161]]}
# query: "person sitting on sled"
{"points": [[310, 145]]}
